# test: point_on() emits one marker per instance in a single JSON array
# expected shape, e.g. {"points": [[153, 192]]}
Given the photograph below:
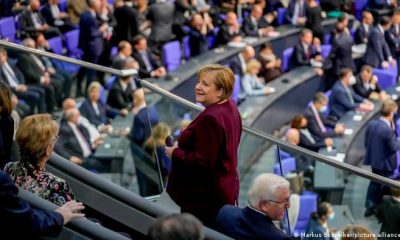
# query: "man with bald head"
{"points": [[293, 136], [230, 31], [238, 64], [255, 25]]}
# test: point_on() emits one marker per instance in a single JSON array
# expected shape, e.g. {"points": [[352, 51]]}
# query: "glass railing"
{"points": [[314, 178], [145, 171]]}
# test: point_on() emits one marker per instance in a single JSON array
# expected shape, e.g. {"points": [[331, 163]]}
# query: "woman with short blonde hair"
{"points": [[36, 138]]}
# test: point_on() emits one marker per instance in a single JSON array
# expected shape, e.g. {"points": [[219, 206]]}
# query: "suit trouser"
{"points": [[34, 96], [375, 190], [86, 72]]}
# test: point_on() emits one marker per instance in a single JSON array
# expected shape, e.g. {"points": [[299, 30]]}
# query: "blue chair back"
{"points": [[8, 28], [288, 165], [386, 77], [308, 205], [325, 50], [186, 47], [359, 6], [171, 55], [56, 45], [281, 16], [286, 55], [236, 89], [72, 43], [283, 154]]}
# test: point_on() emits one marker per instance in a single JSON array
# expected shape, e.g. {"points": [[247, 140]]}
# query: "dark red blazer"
{"points": [[204, 174]]}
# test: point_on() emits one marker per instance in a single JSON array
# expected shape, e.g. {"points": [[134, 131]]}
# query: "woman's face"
{"points": [[206, 90], [94, 95]]}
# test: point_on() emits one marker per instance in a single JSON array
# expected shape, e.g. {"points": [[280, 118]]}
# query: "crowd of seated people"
{"points": [[45, 87]]}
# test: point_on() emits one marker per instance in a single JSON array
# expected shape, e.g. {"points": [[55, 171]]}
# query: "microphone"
{"points": [[169, 141], [345, 214]]}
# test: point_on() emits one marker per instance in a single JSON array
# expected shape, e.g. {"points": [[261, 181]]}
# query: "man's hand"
{"points": [[339, 128], [21, 88], [70, 211], [76, 160]]}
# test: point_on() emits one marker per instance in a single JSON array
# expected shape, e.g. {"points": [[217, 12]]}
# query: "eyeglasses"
{"points": [[286, 201], [55, 140]]}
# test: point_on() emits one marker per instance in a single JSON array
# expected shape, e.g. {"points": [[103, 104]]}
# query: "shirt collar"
{"points": [[386, 121]]}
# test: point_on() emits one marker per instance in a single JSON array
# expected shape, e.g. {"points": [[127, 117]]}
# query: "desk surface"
{"points": [[343, 217]]}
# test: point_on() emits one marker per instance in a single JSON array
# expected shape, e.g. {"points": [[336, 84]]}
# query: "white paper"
{"points": [[357, 118], [348, 131], [339, 157], [395, 97]]}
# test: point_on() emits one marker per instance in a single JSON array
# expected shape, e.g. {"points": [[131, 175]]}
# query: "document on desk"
{"points": [[339, 157], [348, 131], [357, 118]]}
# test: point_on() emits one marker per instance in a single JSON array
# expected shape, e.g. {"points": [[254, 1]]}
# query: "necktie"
{"points": [[85, 146], [36, 20], [55, 11], [11, 78], [38, 63], [307, 134], [319, 121], [300, 9], [146, 61]]}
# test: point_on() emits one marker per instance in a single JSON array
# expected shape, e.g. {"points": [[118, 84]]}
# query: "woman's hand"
{"points": [[169, 150]]}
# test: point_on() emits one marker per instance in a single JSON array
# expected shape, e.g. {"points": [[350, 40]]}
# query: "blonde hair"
{"points": [[159, 133], [34, 135], [94, 86], [357, 232], [223, 78], [252, 64]]}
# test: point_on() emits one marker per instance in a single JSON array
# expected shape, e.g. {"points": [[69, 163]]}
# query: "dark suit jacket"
{"points": [[118, 98], [67, 145], [307, 144], [362, 91], [247, 224], [250, 29], [18, 214], [377, 48], [381, 146], [223, 36], [339, 102], [143, 73], [18, 74], [388, 213], [29, 68], [361, 35], [6, 139], [26, 23], [90, 38], [299, 57], [314, 128], [141, 128], [48, 16], [290, 10], [161, 16], [377, 4], [198, 42], [87, 111], [128, 24], [392, 38], [236, 66], [341, 52]]}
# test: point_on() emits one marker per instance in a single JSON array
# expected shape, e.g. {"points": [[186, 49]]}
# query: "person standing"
{"points": [[381, 146], [204, 175]]}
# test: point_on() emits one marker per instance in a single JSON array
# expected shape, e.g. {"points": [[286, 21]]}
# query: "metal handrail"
{"points": [[266, 137], [277, 141], [120, 73]]}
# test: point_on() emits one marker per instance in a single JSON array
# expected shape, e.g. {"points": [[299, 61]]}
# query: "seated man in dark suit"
{"points": [[380, 4], [30, 221], [13, 77], [268, 198], [255, 25], [318, 124], [362, 32], [238, 64], [344, 99], [378, 52], [74, 140], [120, 94], [381, 146], [141, 129], [124, 53], [304, 52], [296, 13], [367, 85], [148, 66], [32, 22], [55, 17], [231, 31]]}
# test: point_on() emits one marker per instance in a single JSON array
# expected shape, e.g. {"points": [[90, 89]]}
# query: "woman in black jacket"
{"points": [[6, 125]]}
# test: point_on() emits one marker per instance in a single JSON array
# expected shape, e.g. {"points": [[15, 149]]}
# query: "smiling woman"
{"points": [[204, 174]]}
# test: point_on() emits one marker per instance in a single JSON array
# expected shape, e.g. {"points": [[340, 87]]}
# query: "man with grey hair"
{"points": [[268, 197]]}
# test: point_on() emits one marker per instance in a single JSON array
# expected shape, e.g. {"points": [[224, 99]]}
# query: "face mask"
{"points": [[323, 109], [331, 216], [352, 80]]}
